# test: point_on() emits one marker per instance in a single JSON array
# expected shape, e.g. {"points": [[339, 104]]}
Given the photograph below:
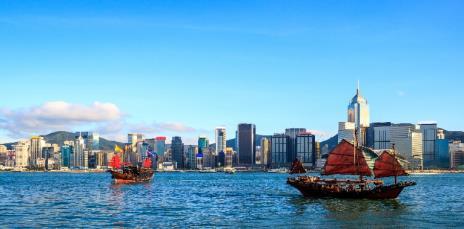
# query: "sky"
{"points": [[185, 67]]}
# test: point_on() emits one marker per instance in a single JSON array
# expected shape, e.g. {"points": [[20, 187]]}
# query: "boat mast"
{"points": [[394, 164]]}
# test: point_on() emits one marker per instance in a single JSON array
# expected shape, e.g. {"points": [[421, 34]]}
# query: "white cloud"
{"points": [[104, 118]]}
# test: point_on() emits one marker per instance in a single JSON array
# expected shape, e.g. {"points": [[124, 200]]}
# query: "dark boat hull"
{"points": [[120, 177], [315, 190]]}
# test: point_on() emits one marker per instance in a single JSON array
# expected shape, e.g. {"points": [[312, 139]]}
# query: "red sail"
{"points": [[147, 163], [388, 165], [115, 162], [341, 161]]}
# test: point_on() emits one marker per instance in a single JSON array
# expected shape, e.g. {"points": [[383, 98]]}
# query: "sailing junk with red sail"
{"points": [[125, 173], [346, 159]]}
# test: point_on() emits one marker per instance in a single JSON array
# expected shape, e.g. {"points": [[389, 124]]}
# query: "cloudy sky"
{"points": [[185, 67]]}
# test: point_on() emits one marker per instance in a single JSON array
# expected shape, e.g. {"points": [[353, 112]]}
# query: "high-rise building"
{"points": [[280, 149], [346, 131], [429, 137], [160, 143], [66, 155], [292, 133], [265, 152], [37, 142], [358, 110], [442, 150], [203, 143], [221, 139], [456, 149], [78, 157], [358, 119], [91, 139], [21, 149], [246, 144], [191, 156], [177, 149], [408, 143], [370, 133], [306, 149], [133, 138], [229, 157]]}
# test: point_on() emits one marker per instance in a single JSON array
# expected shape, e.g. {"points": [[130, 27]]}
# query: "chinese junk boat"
{"points": [[346, 159], [126, 174]]}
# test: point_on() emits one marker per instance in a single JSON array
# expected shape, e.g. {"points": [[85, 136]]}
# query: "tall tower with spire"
{"points": [[358, 110], [358, 119]]}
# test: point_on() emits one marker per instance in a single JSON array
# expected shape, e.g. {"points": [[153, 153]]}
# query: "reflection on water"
{"points": [[205, 200]]}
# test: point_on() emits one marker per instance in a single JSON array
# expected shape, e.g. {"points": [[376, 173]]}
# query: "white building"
{"points": [[358, 118], [221, 139], [78, 156], [21, 153]]}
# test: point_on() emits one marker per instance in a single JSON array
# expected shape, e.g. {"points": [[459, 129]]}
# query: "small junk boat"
{"points": [[125, 174], [347, 159]]}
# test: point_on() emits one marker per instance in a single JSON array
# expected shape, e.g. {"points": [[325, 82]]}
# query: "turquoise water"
{"points": [[202, 200]]}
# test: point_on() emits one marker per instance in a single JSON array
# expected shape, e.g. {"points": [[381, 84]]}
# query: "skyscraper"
{"points": [[79, 155], [21, 153], [177, 149], [221, 139], [203, 143], [133, 138], [292, 133], [306, 149], [429, 137], [160, 143], [66, 154], [37, 142], [191, 156], [358, 119], [246, 144], [265, 151], [456, 149], [280, 149]]}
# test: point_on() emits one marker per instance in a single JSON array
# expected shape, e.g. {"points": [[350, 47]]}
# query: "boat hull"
{"points": [[318, 190], [120, 177]]}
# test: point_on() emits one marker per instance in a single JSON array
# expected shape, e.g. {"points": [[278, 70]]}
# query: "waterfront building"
{"points": [[382, 137], [306, 149], [292, 133], [177, 150], [221, 139], [229, 157], [78, 157], [37, 142], [358, 118], [21, 149], [456, 150], [408, 143], [246, 144], [133, 138], [429, 137], [265, 152], [371, 133], [91, 139], [151, 144], [191, 156], [203, 143], [346, 131], [280, 149], [160, 143], [442, 151], [101, 159], [47, 154], [66, 155]]}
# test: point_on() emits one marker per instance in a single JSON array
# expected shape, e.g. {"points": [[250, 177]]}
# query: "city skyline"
{"points": [[179, 74]]}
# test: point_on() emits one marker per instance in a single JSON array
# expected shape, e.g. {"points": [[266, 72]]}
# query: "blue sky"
{"points": [[185, 67]]}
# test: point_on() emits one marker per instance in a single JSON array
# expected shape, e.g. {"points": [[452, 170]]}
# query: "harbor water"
{"points": [[216, 200]]}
